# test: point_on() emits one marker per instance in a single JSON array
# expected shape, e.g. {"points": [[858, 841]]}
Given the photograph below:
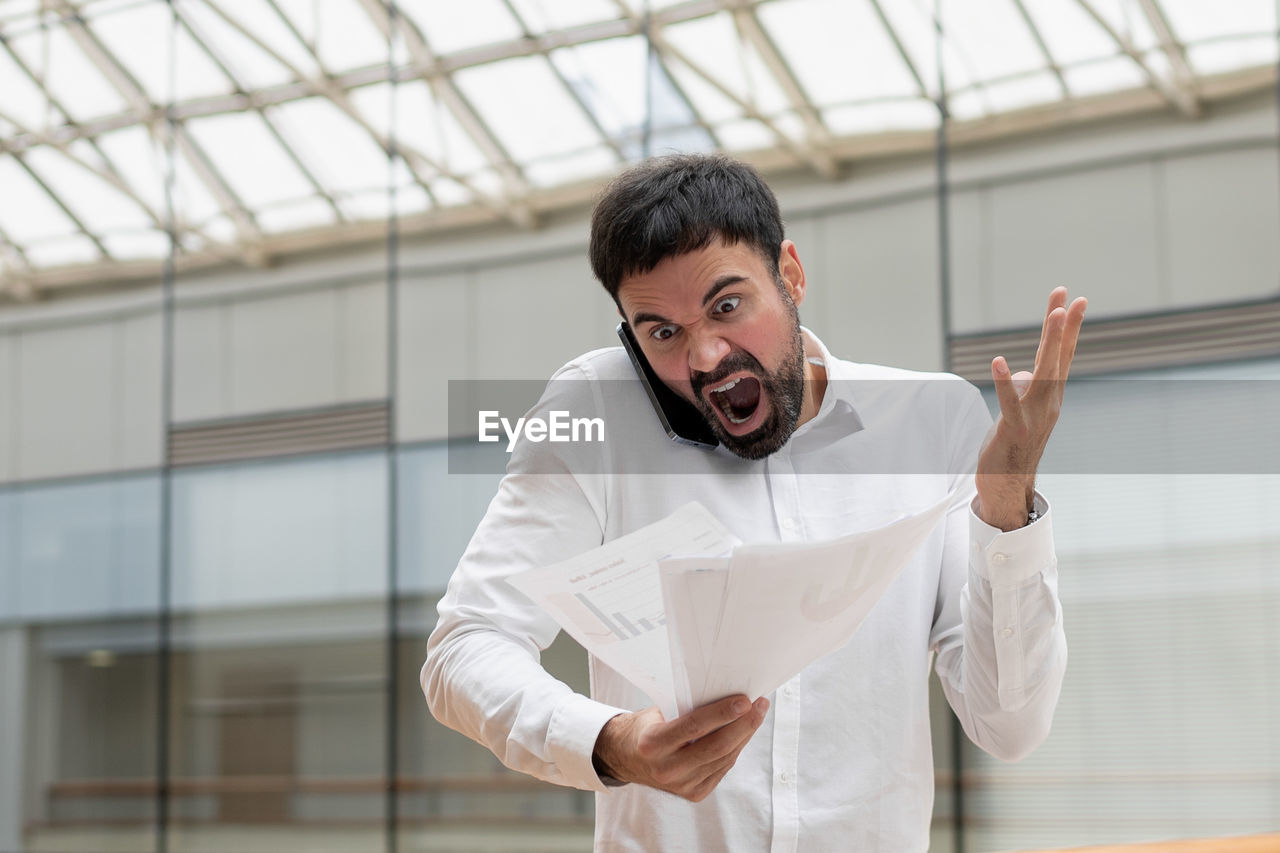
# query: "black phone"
{"points": [[680, 418]]}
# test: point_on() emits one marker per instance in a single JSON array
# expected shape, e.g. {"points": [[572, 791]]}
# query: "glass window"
{"points": [[438, 513], [86, 549], [279, 680], [1167, 567], [90, 751], [302, 530]]}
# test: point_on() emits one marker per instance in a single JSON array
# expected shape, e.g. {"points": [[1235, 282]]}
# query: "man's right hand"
{"points": [[687, 756]]}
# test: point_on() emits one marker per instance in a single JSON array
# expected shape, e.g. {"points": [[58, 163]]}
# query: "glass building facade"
{"points": [[225, 655], [280, 653]]}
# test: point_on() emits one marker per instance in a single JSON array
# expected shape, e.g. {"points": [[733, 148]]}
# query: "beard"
{"points": [[783, 392]]}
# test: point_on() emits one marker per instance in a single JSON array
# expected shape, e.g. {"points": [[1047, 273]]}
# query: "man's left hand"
{"points": [[1029, 407]]}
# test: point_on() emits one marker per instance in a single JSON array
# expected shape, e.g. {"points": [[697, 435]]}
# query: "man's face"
{"points": [[718, 329]]}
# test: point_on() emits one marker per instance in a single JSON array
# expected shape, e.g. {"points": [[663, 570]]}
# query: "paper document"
{"points": [[610, 601], [689, 615]]}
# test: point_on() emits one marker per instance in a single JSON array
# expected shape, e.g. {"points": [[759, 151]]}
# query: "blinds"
{"points": [[1235, 332], [359, 425]]}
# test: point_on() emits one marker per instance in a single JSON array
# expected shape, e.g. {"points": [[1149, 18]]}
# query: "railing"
{"points": [[81, 802], [284, 784]]}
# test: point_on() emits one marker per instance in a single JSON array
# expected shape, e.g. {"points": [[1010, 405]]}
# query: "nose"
{"points": [[706, 350]]}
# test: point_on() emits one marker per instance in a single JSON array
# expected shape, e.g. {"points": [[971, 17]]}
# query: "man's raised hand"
{"points": [[1029, 407], [687, 756]]}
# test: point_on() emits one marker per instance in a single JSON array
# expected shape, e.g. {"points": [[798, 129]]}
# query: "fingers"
{"points": [[1051, 345], [729, 739], [1057, 299], [702, 721], [1071, 334], [694, 768], [1010, 403]]}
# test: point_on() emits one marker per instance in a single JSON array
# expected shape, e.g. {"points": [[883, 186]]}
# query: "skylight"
{"points": [[284, 111]]}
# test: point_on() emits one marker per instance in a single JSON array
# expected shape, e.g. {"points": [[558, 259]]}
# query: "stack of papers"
{"points": [[689, 615]]}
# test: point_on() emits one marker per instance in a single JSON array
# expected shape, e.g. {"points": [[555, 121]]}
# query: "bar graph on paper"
{"points": [[610, 599], [629, 604]]}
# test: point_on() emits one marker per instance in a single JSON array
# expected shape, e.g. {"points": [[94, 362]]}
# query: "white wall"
{"points": [[80, 396], [270, 352], [873, 282], [1143, 214]]}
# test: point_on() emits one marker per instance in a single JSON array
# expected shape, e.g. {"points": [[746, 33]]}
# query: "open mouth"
{"points": [[738, 399]]}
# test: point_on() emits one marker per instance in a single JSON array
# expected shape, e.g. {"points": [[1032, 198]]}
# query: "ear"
{"points": [[792, 272]]}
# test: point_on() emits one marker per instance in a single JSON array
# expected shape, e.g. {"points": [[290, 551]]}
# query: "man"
{"points": [[691, 249]]}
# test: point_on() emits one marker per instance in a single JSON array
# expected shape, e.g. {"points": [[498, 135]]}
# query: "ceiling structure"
{"points": [[261, 127]]}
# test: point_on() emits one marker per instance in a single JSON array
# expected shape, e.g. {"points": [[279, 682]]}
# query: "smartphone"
{"points": [[680, 418]]}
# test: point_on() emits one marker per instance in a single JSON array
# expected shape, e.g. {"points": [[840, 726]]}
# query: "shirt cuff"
{"points": [[571, 739], [1008, 558]]}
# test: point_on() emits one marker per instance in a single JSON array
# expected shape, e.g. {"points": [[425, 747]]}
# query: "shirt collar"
{"points": [[838, 409]]}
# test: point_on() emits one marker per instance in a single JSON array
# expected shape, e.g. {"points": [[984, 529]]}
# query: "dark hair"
{"points": [[679, 203]]}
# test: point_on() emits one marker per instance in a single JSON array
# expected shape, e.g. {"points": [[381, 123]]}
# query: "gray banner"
{"points": [[1106, 426]]}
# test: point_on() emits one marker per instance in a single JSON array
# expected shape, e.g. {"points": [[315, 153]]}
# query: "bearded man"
{"points": [[810, 447]]}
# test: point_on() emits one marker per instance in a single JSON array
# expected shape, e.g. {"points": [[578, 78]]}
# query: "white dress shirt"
{"points": [[843, 760]]}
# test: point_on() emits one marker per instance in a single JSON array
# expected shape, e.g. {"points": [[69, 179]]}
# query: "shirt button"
{"points": [[788, 691], [1007, 633], [784, 777], [788, 524], [999, 557]]}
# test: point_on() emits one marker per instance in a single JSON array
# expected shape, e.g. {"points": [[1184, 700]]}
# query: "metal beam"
{"points": [[290, 151], [1184, 79], [102, 59], [327, 88], [61, 142], [68, 212], [640, 27], [444, 65], [819, 137], [250, 237], [1183, 100], [415, 160], [802, 153], [109, 175], [902, 51], [572, 92], [1052, 63], [17, 60], [15, 276], [516, 188], [895, 144], [250, 242]]}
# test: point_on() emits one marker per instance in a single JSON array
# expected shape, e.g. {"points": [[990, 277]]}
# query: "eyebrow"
{"points": [[719, 285]]}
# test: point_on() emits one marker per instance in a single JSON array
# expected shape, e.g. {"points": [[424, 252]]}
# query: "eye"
{"points": [[661, 333], [726, 305]]}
